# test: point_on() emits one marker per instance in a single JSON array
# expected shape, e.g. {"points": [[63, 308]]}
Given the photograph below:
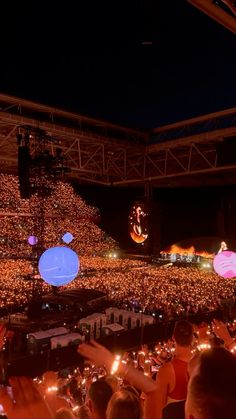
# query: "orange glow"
{"points": [[136, 238], [177, 249], [205, 254], [189, 251]]}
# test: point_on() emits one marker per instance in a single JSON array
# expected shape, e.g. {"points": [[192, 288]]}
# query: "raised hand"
{"points": [[97, 354], [27, 402], [221, 331]]}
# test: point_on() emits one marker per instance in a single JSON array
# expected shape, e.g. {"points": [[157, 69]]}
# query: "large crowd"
{"points": [[169, 291], [134, 285], [191, 375], [48, 216], [130, 284]]}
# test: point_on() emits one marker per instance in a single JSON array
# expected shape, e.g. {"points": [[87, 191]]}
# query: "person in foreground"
{"points": [[123, 404], [212, 386], [172, 379]]}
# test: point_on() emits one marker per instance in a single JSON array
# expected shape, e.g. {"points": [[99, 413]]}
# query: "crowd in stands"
{"points": [[134, 285], [168, 291], [16, 290], [48, 217], [191, 376]]}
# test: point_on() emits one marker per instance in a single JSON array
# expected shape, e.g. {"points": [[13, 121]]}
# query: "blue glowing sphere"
{"points": [[58, 265], [67, 238]]}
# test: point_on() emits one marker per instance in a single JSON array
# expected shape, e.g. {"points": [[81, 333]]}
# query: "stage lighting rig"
{"points": [[43, 160]]}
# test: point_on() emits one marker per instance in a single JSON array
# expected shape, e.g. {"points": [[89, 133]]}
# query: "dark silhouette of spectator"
{"points": [[100, 393], [124, 405], [211, 389]]}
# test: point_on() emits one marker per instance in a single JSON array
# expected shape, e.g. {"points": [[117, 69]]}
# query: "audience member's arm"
{"points": [[221, 330], [162, 380], [28, 403], [100, 356]]}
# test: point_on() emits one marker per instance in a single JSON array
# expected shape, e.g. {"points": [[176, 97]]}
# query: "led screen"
{"points": [[138, 222]]}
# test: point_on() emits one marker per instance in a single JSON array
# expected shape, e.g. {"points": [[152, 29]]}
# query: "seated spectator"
{"points": [[211, 389]]}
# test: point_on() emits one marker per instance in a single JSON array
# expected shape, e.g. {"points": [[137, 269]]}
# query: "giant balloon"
{"points": [[32, 240], [225, 264], [67, 238], [58, 265]]}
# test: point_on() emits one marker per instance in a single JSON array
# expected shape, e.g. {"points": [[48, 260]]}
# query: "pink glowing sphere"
{"points": [[225, 264]]}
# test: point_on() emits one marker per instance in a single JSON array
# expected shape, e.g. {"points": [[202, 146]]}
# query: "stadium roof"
{"points": [[192, 152]]}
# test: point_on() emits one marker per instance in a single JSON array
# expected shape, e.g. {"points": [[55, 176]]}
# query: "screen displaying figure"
{"points": [[138, 222], [223, 247]]}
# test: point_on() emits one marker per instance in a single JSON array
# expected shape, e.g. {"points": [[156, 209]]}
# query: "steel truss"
{"points": [[105, 153], [223, 11]]}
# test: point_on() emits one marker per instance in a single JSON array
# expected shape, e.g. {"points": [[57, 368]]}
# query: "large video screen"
{"points": [[139, 222]]}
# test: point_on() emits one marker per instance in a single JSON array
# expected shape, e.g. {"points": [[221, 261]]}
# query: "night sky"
{"points": [[90, 57]]}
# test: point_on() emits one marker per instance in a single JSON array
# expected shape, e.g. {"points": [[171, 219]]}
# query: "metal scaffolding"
{"points": [[104, 153]]}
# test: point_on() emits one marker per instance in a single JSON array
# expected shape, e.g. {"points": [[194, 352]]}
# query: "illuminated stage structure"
{"points": [[180, 256], [188, 153], [178, 259]]}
